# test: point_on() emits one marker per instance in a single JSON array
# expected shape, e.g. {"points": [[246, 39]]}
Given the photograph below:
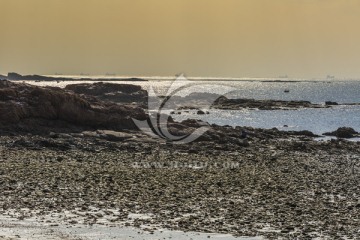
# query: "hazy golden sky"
{"points": [[229, 38]]}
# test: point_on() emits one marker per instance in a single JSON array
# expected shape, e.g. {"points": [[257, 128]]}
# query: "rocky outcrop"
{"points": [[208, 100], [120, 93], [19, 101], [16, 76], [78, 108], [235, 104], [343, 132]]}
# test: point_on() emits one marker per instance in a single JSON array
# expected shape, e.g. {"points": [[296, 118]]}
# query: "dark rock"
{"points": [[14, 76], [19, 101], [343, 132], [331, 103], [194, 123], [234, 104], [101, 88], [200, 112], [303, 133], [121, 93]]}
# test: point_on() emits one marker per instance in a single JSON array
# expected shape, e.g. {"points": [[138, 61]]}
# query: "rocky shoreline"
{"points": [[274, 187], [73, 152]]}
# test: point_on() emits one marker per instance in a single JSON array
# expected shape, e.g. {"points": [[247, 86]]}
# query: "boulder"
{"points": [[329, 103], [114, 136], [303, 133], [343, 132]]}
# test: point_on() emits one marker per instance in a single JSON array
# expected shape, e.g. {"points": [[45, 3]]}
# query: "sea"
{"points": [[318, 120]]}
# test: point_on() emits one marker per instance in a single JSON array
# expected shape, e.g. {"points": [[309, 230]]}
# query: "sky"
{"points": [[210, 38]]}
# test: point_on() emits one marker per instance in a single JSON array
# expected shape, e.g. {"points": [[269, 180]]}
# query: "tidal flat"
{"points": [[279, 186]]}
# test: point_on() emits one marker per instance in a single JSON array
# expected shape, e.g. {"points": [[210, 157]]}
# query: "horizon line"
{"points": [[164, 77]]}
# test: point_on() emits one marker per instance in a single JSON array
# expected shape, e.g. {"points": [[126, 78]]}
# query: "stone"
{"points": [[113, 135], [343, 132], [331, 103]]}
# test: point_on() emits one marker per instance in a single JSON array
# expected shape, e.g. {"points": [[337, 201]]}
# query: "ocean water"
{"points": [[315, 120], [318, 121]]}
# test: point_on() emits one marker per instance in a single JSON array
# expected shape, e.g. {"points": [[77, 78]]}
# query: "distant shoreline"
{"points": [[19, 77], [36, 77]]}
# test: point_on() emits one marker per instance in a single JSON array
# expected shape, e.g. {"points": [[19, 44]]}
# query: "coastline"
{"points": [[63, 151]]}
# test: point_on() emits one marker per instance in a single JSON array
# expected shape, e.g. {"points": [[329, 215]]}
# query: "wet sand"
{"points": [[35, 229]]}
